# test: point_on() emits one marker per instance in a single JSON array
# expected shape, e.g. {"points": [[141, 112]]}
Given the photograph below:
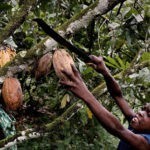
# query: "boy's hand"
{"points": [[75, 83], [98, 64]]}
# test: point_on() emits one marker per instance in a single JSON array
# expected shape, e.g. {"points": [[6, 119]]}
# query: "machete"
{"points": [[48, 30]]}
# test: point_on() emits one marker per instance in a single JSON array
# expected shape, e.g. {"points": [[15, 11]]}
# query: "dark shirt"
{"points": [[124, 146]]}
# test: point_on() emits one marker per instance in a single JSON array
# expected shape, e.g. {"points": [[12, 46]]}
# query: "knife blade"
{"points": [[58, 38]]}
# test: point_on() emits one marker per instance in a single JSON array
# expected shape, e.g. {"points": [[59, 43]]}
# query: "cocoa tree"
{"points": [[46, 99]]}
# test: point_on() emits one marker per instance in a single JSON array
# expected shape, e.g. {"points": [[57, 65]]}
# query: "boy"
{"points": [[138, 135]]}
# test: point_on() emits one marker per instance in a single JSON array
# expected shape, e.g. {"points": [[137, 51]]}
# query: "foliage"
{"points": [[118, 36]]}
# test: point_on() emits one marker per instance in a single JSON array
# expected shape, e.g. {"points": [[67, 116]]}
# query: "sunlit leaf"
{"points": [[110, 65], [121, 63], [89, 113], [65, 100], [113, 62], [145, 56]]}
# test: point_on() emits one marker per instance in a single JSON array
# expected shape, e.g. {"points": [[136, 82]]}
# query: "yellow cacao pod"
{"points": [[12, 93], [6, 55], [62, 61], [43, 66]]}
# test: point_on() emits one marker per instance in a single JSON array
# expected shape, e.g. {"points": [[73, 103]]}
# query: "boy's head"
{"points": [[141, 121]]}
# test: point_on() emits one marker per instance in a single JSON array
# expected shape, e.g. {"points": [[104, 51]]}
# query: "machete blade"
{"points": [[48, 30]]}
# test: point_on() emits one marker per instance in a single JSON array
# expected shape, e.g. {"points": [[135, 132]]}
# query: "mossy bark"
{"points": [[17, 19], [47, 128], [39, 49]]}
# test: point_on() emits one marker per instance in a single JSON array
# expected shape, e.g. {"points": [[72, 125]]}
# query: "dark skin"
{"points": [[140, 121]]}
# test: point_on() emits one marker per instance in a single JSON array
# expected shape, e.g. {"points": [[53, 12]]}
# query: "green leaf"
{"points": [[64, 100], [127, 64], [113, 62], [119, 43], [5, 7], [145, 56], [120, 61], [110, 65], [83, 116], [89, 113]]}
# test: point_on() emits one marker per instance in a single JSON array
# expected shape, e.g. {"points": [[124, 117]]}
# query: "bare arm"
{"points": [[112, 86], [113, 126], [108, 121]]}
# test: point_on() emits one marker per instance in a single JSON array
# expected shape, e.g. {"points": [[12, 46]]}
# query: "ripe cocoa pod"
{"points": [[43, 66], [62, 61], [6, 55], [12, 93]]}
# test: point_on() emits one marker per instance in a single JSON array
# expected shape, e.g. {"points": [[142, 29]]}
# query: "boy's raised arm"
{"points": [[112, 86], [76, 85]]}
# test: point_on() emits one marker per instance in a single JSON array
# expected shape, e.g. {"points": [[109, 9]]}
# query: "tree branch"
{"points": [[17, 19], [74, 24], [32, 133], [101, 89]]}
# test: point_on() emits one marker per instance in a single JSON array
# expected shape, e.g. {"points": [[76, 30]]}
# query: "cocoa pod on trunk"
{"points": [[43, 66], [62, 60], [12, 93], [6, 55]]}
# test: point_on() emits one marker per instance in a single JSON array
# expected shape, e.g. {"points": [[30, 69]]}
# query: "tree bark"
{"points": [[77, 22], [17, 19], [33, 133]]}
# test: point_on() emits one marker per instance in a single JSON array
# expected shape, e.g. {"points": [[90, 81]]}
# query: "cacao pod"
{"points": [[6, 55], [43, 66], [12, 93], [62, 61]]}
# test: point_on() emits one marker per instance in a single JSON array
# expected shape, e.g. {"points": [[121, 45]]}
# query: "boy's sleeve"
{"points": [[147, 137]]}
